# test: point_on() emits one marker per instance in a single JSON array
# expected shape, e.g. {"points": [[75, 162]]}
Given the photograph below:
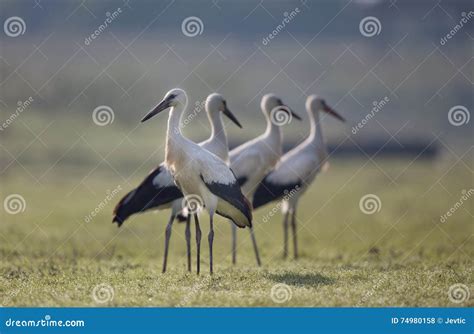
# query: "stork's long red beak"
{"points": [[231, 116], [165, 104], [333, 113]]}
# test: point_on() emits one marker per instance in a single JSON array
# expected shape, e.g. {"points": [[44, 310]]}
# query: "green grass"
{"points": [[400, 256]]}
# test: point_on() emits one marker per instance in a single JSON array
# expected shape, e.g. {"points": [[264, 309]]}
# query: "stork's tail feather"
{"points": [[267, 192], [117, 220], [181, 218], [124, 208]]}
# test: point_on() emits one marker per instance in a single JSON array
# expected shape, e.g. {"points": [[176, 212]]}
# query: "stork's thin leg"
{"points": [[285, 235], [210, 238], [293, 227], [255, 247], [234, 243], [188, 240], [167, 240], [198, 243]]}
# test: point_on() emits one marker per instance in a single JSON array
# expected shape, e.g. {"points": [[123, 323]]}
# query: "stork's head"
{"points": [[271, 101], [215, 103], [174, 98], [315, 104]]}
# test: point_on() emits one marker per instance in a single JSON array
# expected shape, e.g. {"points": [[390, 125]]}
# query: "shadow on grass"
{"points": [[301, 279]]}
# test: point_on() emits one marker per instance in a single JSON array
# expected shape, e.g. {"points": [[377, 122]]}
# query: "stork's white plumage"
{"points": [[296, 170], [197, 171], [158, 190], [252, 160]]}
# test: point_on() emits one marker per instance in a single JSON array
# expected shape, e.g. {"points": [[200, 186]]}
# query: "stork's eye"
{"points": [[172, 96]]}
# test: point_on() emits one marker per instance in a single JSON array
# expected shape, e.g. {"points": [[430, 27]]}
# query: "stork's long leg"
{"points": [[285, 235], [255, 247], [198, 243], [188, 240], [167, 240], [210, 238], [234, 242], [293, 227]]}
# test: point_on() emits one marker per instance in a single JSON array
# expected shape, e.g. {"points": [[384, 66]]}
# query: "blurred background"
{"points": [[62, 63]]}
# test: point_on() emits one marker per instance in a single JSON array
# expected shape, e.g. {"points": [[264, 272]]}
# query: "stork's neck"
{"points": [[315, 137], [273, 131], [174, 136], [218, 133]]}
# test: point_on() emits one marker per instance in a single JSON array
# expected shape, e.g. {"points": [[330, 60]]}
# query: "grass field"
{"points": [[400, 256]]}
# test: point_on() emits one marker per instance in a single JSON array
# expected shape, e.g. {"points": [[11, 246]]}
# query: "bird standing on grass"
{"points": [[296, 170], [198, 172], [158, 190], [252, 160]]}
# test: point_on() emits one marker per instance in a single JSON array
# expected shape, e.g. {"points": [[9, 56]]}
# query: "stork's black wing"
{"points": [[267, 192], [146, 196], [232, 203]]}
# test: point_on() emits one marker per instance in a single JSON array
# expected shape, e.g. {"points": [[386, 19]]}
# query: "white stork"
{"points": [[199, 172], [158, 190], [252, 160], [296, 170]]}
